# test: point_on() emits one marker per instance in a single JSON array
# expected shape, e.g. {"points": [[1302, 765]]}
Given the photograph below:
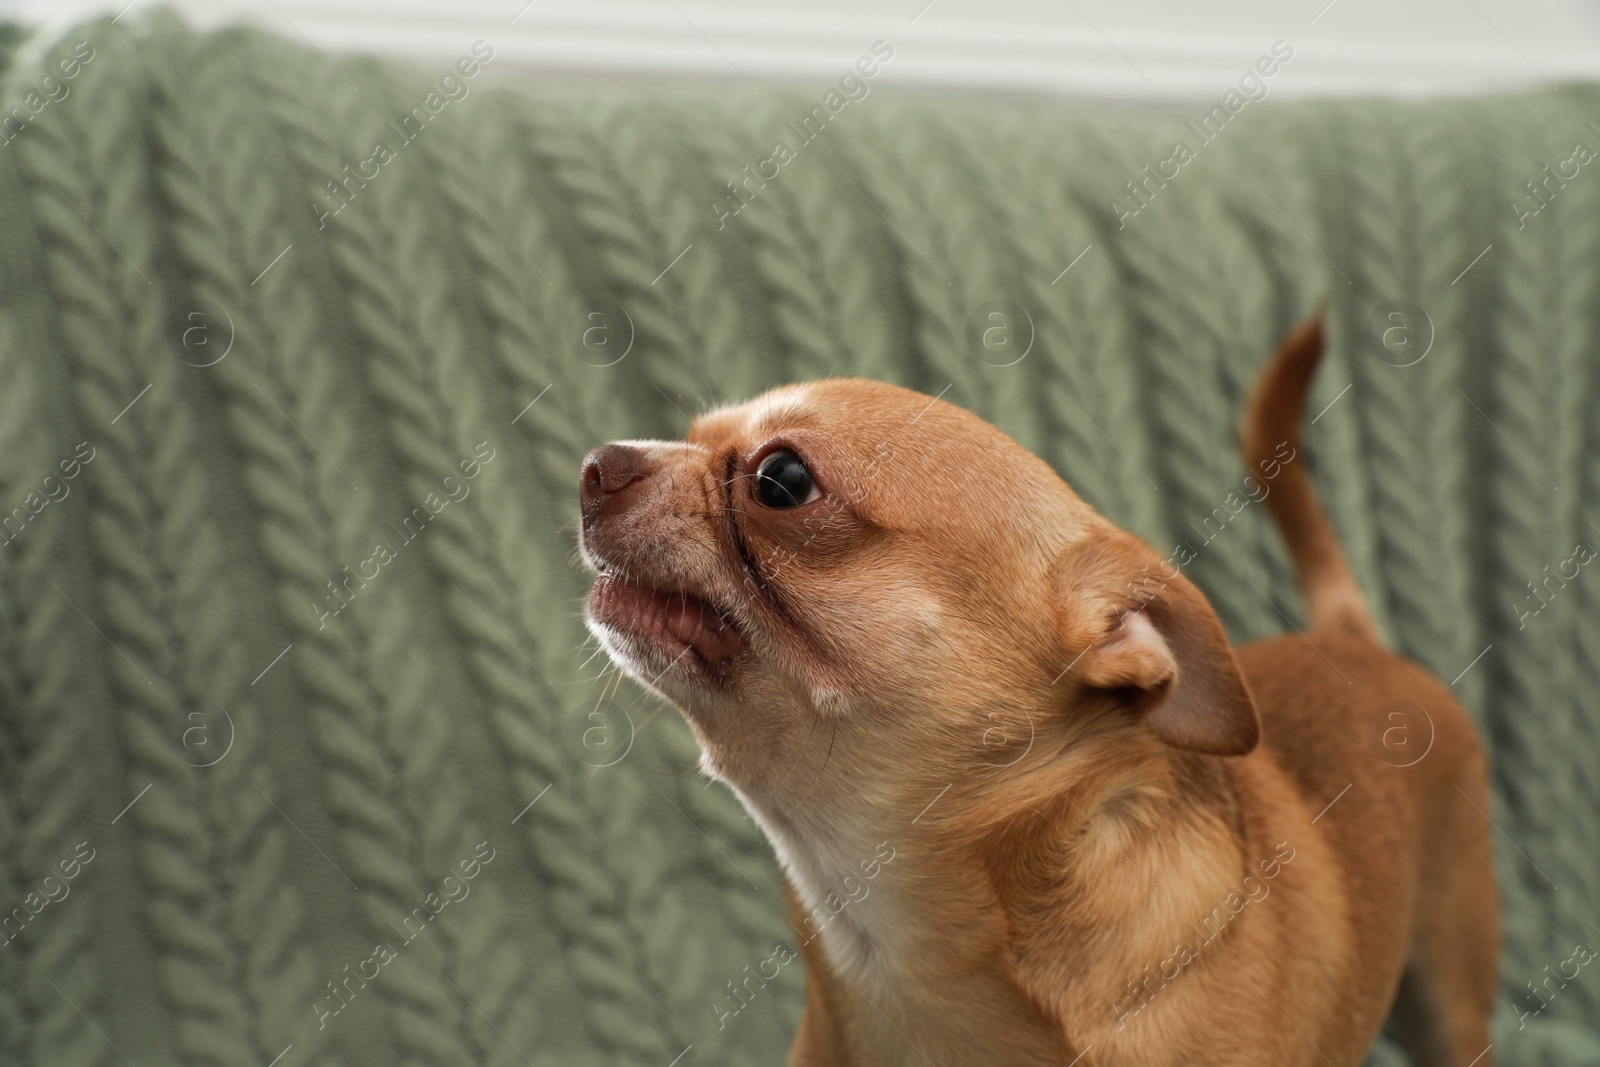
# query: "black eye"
{"points": [[782, 481]]}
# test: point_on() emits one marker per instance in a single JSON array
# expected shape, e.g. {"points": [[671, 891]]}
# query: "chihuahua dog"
{"points": [[1115, 839]]}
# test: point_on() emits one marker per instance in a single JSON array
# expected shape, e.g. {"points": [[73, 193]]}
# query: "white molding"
{"points": [[1188, 54]]}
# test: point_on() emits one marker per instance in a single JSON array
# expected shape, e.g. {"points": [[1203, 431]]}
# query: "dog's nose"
{"points": [[607, 471]]}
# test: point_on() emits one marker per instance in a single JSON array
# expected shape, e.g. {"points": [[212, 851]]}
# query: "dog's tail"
{"points": [[1270, 442]]}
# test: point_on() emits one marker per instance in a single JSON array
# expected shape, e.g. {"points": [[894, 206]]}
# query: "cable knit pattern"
{"points": [[280, 754], [139, 600]]}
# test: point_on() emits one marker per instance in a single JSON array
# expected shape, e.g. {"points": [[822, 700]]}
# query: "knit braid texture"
{"points": [[305, 755]]}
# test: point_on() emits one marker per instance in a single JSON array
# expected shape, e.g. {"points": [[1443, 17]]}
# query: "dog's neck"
{"points": [[989, 890]]}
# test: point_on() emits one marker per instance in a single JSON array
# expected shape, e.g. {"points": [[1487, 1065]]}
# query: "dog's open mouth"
{"points": [[676, 619]]}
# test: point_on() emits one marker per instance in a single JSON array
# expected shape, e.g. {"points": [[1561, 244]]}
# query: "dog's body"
{"points": [[1114, 840]]}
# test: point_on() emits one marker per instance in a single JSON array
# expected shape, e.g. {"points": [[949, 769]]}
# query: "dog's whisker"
{"points": [[590, 657], [608, 693]]}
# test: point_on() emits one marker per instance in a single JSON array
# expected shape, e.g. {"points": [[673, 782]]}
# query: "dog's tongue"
{"points": [[692, 621]]}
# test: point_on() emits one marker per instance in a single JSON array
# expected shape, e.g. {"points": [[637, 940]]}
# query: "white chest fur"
{"points": [[849, 879]]}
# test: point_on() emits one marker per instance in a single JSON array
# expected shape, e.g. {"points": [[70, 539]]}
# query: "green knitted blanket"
{"points": [[304, 752]]}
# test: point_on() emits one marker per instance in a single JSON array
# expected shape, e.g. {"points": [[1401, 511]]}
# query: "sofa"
{"points": [[304, 750]]}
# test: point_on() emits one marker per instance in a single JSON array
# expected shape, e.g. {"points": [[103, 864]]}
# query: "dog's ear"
{"points": [[1130, 624]]}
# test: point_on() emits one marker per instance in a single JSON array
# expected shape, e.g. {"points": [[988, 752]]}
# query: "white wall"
{"points": [[1151, 50]]}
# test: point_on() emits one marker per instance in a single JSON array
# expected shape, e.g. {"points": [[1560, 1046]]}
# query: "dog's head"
{"points": [[851, 553]]}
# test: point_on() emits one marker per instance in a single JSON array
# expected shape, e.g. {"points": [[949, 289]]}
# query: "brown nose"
{"points": [[607, 471]]}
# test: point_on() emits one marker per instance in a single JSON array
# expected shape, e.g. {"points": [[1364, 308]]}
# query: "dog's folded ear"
{"points": [[1132, 625]]}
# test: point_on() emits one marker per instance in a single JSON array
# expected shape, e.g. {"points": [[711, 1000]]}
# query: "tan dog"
{"points": [[1111, 839]]}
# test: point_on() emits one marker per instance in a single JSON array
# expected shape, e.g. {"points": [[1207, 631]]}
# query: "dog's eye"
{"points": [[782, 481]]}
